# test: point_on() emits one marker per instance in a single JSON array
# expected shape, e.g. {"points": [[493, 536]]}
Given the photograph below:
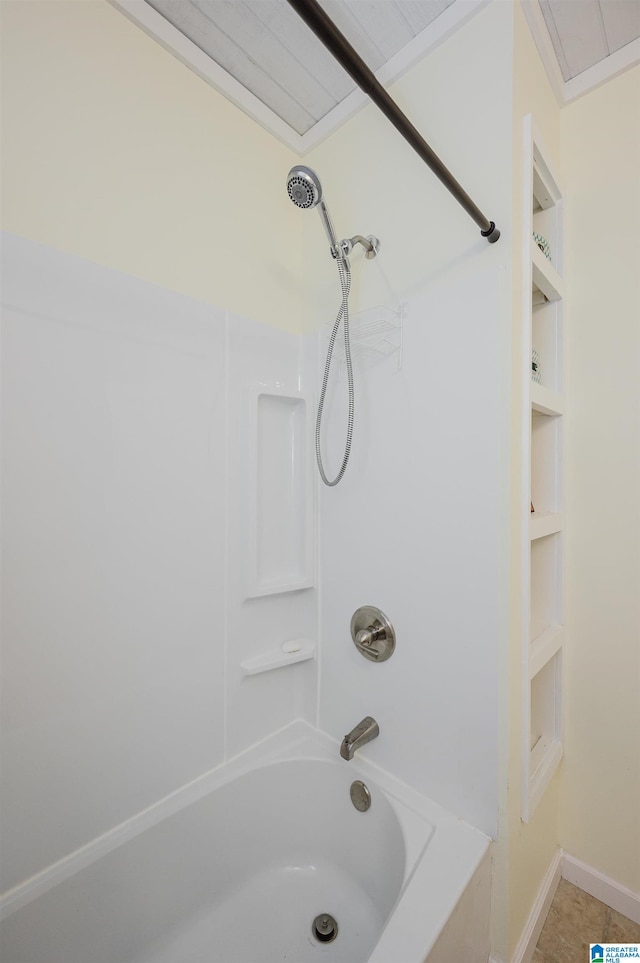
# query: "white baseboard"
{"points": [[533, 927], [602, 887]]}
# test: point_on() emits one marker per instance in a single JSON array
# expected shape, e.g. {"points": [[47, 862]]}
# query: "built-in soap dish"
{"points": [[296, 650]]}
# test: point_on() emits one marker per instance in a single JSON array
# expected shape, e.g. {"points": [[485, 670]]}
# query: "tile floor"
{"points": [[577, 919]]}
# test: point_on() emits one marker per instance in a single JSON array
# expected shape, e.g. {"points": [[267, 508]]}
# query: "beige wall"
{"points": [[526, 849], [113, 150], [592, 807], [600, 785]]}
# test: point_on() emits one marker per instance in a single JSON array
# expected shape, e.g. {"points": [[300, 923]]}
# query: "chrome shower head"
{"points": [[303, 187], [305, 190]]}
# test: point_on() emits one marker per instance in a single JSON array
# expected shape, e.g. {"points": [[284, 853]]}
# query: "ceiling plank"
{"points": [[420, 15], [601, 73], [579, 29], [382, 21], [303, 47], [342, 16], [195, 21], [258, 50], [621, 22]]}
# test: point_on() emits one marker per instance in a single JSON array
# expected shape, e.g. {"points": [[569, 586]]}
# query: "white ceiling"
{"points": [[584, 43], [262, 56], [586, 32]]}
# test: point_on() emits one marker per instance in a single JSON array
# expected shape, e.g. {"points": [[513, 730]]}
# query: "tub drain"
{"points": [[324, 928]]}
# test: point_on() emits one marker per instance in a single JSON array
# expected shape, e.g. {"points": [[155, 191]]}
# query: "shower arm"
{"points": [[370, 243], [337, 44]]}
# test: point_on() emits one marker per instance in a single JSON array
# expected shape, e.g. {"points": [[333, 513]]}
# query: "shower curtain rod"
{"points": [[337, 44]]}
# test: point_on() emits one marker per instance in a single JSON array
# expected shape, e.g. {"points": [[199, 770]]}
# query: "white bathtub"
{"points": [[235, 867]]}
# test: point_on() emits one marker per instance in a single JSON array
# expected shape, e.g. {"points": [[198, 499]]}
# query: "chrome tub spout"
{"points": [[363, 733]]}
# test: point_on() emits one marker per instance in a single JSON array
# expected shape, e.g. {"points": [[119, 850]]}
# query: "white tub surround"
{"points": [[235, 866], [131, 645], [415, 528]]}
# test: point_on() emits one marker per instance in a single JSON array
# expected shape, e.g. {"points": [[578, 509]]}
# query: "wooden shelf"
{"points": [[543, 193], [544, 760], [544, 648], [545, 736], [545, 278], [546, 401], [543, 524]]}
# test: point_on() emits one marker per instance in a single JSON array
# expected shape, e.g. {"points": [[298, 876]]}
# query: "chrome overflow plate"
{"points": [[360, 796], [373, 634]]}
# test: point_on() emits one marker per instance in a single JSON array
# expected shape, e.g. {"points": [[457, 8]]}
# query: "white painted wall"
{"points": [[600, 787], [415, 528], [125, 614], [418, 526]]}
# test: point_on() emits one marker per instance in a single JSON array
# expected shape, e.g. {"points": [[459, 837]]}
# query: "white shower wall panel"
{"points": [[265, 363], [125, 553], [416, 528], [113, 412]]}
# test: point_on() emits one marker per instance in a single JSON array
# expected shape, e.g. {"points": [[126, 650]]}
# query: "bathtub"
{"points": [[236, 867]]}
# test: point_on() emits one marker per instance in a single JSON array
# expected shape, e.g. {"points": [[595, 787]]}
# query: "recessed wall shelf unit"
{"points": [[542, 503]]}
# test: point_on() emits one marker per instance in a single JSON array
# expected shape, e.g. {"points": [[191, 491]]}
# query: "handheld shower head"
{"points": [[304, 187], [305, 190]]}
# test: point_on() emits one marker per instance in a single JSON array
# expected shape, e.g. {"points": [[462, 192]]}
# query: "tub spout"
{"points": [[363, 733]]}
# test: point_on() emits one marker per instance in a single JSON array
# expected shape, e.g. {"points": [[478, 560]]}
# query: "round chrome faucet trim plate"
{"points": [[373, 634]]}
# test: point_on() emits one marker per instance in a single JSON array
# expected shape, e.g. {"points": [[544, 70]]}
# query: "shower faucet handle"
{"points": [[373, 634], [368, 636]]}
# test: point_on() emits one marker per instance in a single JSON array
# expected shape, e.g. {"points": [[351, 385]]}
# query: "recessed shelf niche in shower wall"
{"points": [[281, 519]]}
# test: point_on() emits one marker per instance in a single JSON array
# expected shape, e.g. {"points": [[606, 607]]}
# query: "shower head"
{"points": [[304, 187], [305, 190]]}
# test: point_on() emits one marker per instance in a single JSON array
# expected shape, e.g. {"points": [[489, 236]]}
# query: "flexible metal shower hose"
{"points": [[343, 315]]}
